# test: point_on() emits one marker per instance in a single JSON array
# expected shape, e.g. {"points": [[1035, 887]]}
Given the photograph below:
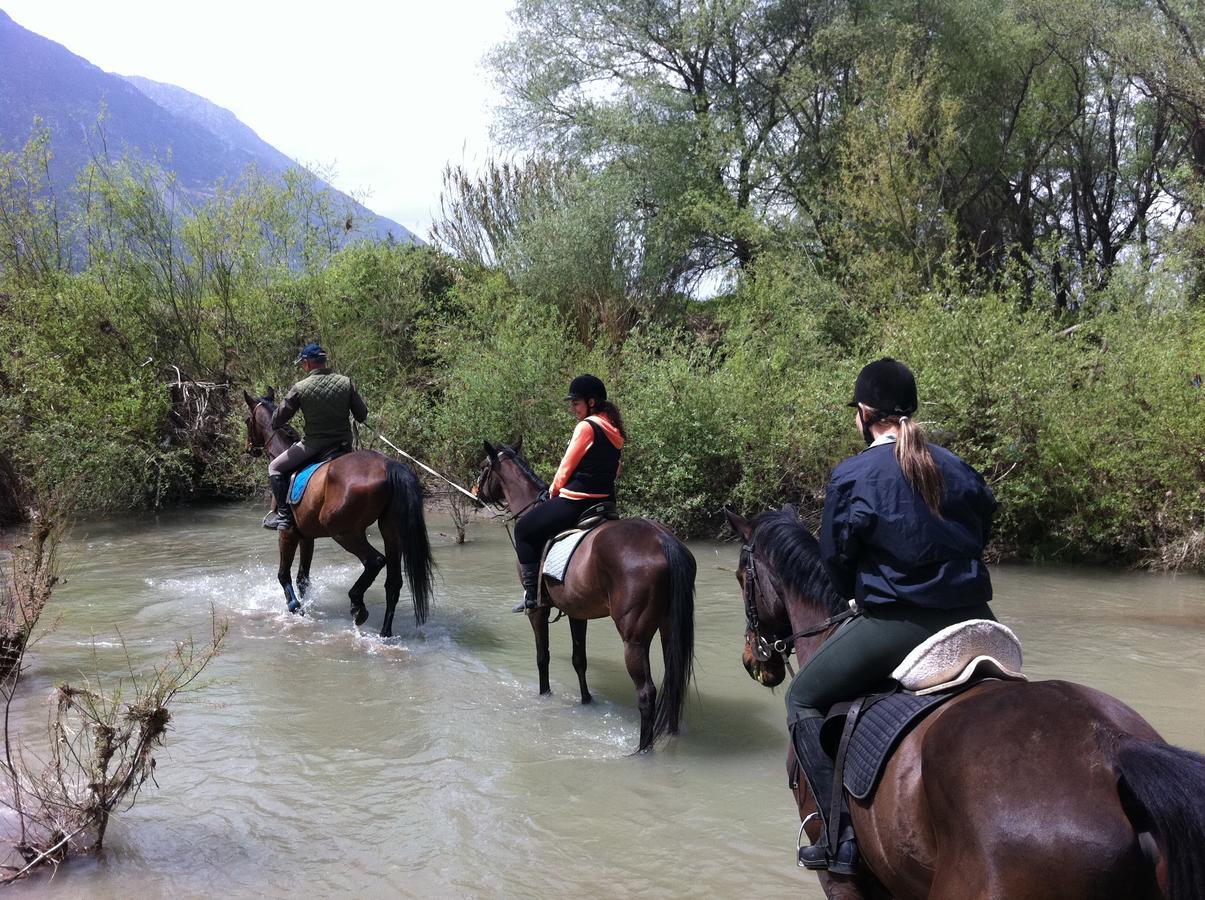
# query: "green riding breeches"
{"points": [[863, 653]]}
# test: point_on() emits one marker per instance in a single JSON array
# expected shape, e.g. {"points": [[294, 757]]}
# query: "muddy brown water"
{"points": [[320, 761]]}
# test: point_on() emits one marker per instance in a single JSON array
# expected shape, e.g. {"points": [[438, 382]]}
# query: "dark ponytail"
{"points": [[611, 411]]}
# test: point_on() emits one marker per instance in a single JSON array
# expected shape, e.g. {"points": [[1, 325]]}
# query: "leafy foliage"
{"points": [[1005, 195]]}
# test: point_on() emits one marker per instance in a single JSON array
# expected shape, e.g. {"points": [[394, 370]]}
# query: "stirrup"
{"points": [[817, 856], [279, 521]]}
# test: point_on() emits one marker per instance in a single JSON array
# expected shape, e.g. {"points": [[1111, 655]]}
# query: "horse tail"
{"points": [[1162, 789], [680, 637], [406, 510]]}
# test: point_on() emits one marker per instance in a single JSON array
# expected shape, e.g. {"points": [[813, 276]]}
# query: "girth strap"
{"points": [[837, 804]]}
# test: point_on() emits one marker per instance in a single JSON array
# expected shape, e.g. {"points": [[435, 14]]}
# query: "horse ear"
{"points": [[490, 450], [251, 401], [790, 509], [271, 395], [739, 524], [518, 444]]}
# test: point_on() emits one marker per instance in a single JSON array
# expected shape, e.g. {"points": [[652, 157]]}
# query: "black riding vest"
{"points": [[596, 471]]}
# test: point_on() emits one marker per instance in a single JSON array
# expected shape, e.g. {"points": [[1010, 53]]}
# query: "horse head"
{"points": [[785, 589], [259, 421], [506, 478]]}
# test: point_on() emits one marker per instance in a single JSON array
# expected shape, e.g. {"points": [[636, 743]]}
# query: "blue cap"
{"points": [[311, 351]]}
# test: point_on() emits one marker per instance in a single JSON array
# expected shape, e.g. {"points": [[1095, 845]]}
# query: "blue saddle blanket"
{"points": [[301, 479]]}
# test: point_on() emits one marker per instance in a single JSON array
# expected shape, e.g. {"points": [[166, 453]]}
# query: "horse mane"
{"points": [[289, 431], [795, 555], [524, 466]]}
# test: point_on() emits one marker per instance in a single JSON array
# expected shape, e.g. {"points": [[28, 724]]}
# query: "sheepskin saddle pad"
{"points": [[977, 648]]}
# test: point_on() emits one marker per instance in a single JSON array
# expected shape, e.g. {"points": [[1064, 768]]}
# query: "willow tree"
{"points": [[719, 114]]}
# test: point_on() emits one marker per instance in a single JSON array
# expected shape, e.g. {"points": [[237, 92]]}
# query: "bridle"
{"points": [[255, 450], [502, 506], [258, 450], [758, 584]]}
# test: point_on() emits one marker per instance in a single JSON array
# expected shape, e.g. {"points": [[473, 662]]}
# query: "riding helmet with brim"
{"points": [[312, 352], [585, 387], [886, 386]]}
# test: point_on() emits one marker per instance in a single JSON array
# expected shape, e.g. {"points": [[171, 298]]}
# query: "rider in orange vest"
{"points": [[586, 476]]}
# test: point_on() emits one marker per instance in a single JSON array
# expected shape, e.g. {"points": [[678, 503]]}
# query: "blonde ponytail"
{"points": [[917, 463]]}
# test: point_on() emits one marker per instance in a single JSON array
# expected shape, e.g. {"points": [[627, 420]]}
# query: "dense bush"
{"points": [[1087, 422]]}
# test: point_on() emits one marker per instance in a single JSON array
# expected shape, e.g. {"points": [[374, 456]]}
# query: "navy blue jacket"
{"points": [[882, 544]]}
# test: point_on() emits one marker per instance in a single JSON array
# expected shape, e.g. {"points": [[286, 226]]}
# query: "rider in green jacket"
{"points": [[326, 400]]}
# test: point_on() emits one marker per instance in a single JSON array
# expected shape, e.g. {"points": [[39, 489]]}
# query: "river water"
{"points": [[319, 760]]}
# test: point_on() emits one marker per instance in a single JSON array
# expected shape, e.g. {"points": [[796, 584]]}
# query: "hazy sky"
{"points": [[386, 93]]}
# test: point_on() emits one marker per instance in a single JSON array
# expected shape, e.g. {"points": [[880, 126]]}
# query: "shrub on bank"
{"points": [[1089, 434]]}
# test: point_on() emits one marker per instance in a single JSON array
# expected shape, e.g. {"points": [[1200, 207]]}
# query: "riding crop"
{"points": [[426, 468]]}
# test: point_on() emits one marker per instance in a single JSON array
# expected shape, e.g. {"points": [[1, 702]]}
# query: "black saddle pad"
{"points": [[882, 724]]}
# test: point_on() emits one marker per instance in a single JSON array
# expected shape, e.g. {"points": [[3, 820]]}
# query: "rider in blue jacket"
{"points": [[905, 524]]}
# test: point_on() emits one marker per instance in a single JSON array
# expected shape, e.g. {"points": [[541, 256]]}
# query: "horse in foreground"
{"points": [[343, 498], [633, 570], [1018, 790]]}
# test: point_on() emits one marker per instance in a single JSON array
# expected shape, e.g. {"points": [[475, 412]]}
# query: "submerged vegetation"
{"points": [[58, 795], [767, 195]]}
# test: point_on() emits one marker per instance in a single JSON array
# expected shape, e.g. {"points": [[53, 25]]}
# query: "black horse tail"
{"points": [[680, 634], [1163, 792], [406, 510]]}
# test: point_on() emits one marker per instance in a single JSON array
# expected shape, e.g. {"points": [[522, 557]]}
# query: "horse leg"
{"points": [[847, 887], [577, 628], [287, 542], [372, 560], [636, 658], [539, 625], [303, 566], [393, 577]]}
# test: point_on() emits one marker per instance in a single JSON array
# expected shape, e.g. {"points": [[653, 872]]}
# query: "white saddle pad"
{"points": [[954, 655], [556, 562]]}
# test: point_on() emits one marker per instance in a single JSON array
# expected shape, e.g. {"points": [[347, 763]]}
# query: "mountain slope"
{"points": [[201, 142]]}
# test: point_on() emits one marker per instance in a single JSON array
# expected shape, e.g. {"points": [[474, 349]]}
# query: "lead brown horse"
{"points": [[632, 570], [342, 500], [1016, 790]]}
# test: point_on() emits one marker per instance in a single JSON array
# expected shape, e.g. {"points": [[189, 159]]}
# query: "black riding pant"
{"points": [[543, 521], [863, 653]]}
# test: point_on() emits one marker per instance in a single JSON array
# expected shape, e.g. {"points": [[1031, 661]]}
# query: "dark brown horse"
{"points": [[342, 500], [1017, 790], [633, 570]]}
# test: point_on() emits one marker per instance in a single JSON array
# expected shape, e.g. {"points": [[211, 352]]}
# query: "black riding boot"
{"points": [[529, 576], [818, 768], [281, 519]]}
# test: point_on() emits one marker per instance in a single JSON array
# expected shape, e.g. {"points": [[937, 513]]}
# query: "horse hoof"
{"points": [[386, 634], [360, 614], [294, 607]]}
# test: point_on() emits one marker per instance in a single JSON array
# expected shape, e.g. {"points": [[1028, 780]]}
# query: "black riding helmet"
{"points": [[587, 387], [888, 388]]}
